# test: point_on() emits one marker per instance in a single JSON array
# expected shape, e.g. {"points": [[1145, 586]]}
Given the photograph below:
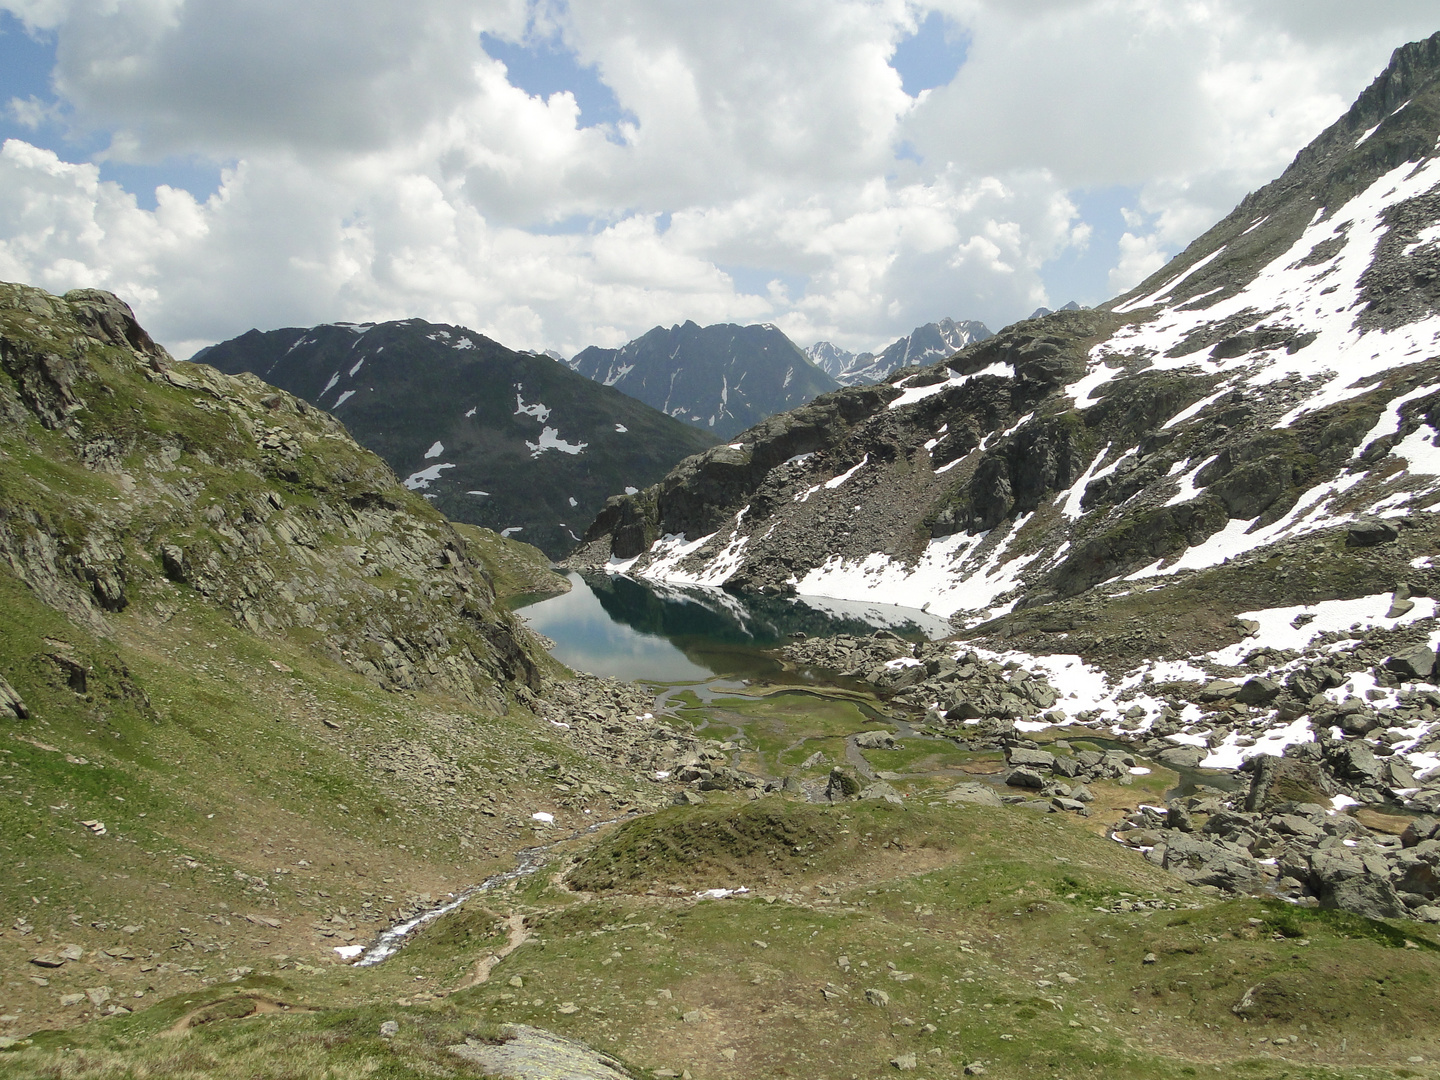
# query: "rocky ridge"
{"points": [[722, 378], [513, 442]]}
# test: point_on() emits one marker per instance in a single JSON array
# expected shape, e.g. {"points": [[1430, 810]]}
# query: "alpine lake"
{"points": [[712, 660]]}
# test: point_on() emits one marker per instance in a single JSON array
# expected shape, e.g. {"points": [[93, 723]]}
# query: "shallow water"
{"points": [[615, 625]]}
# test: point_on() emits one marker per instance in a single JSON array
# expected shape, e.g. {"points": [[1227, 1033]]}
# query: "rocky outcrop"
{"points": [[164, 481], [530, 1053], [1277, 839]]}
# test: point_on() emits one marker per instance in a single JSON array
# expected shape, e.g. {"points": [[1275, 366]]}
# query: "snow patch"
{"points": [[421, 480]]}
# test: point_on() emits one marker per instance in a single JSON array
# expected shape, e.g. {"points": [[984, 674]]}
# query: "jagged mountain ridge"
{"points": [[922, 346], [515, 442], [1245, 444], [722, 378]]}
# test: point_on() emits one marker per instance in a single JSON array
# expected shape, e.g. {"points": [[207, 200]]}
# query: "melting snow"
{"points": [[421, 480], [621, 428], [920, 393], [329, 385], [539, 410], [837, 481], [346, 396], [512, 530], [436, 449], [550, 440]]}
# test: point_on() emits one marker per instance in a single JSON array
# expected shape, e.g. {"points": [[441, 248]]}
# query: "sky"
{"points": [[557, 175]]}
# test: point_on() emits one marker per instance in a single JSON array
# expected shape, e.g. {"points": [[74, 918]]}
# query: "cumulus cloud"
{"points": [[378, 163]]}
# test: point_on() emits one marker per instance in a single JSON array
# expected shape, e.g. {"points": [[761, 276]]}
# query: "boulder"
{"points": [[1259, 691], [1219, 690], [875, 740], [1413, 664], [1183, 757], [10, 701], [1032, 759], [529, 1053], [1206, 862], [1025, 778], [882, 792], [1279, 783], [1421, 828], [1367, 532], [1355, 762]]}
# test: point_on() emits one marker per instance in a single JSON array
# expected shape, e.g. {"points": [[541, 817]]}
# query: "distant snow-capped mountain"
{"points": [[923, 345]]}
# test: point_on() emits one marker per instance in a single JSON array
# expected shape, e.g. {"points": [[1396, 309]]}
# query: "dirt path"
{"points": [[857, 759], [518, 936]]}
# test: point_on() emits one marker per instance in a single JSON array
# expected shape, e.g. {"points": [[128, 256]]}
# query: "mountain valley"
{"points": [[1063, 704]]}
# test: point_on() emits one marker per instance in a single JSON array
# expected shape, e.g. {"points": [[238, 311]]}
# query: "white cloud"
{"points": [[379, 164]]}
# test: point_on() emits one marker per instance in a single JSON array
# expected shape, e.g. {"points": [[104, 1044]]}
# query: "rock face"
{"points": [[923, 346], [722, 378], [131, 479], [511, 441], [1271, 389]]}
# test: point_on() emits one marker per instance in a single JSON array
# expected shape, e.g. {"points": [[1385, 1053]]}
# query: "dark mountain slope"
{"points": [[511, 441], [721, 378]]}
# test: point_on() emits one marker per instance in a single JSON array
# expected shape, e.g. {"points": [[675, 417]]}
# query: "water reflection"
{"points": [[615, 625]]}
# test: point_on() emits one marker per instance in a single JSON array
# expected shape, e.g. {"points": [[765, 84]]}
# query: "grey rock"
{"points": [[1177, 817], [1367, 532], [974, 792], [875, 740], [1034, 759], [1025, 778], [10, 701], [1354, 761], [1413, 664], [877, 997], [1421, 828], [1183, 757], [883, 792], [1278, 783], [388, 1029], [1259, 691], [530, 1053], [1220, 690]]}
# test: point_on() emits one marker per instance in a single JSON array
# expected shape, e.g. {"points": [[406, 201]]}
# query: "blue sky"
{"points": [[846, 169]]}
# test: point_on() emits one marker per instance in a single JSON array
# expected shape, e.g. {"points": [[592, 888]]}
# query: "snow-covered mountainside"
{"points": [[512, 441], [722, 378], [924, 345], [1229, 471]]}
